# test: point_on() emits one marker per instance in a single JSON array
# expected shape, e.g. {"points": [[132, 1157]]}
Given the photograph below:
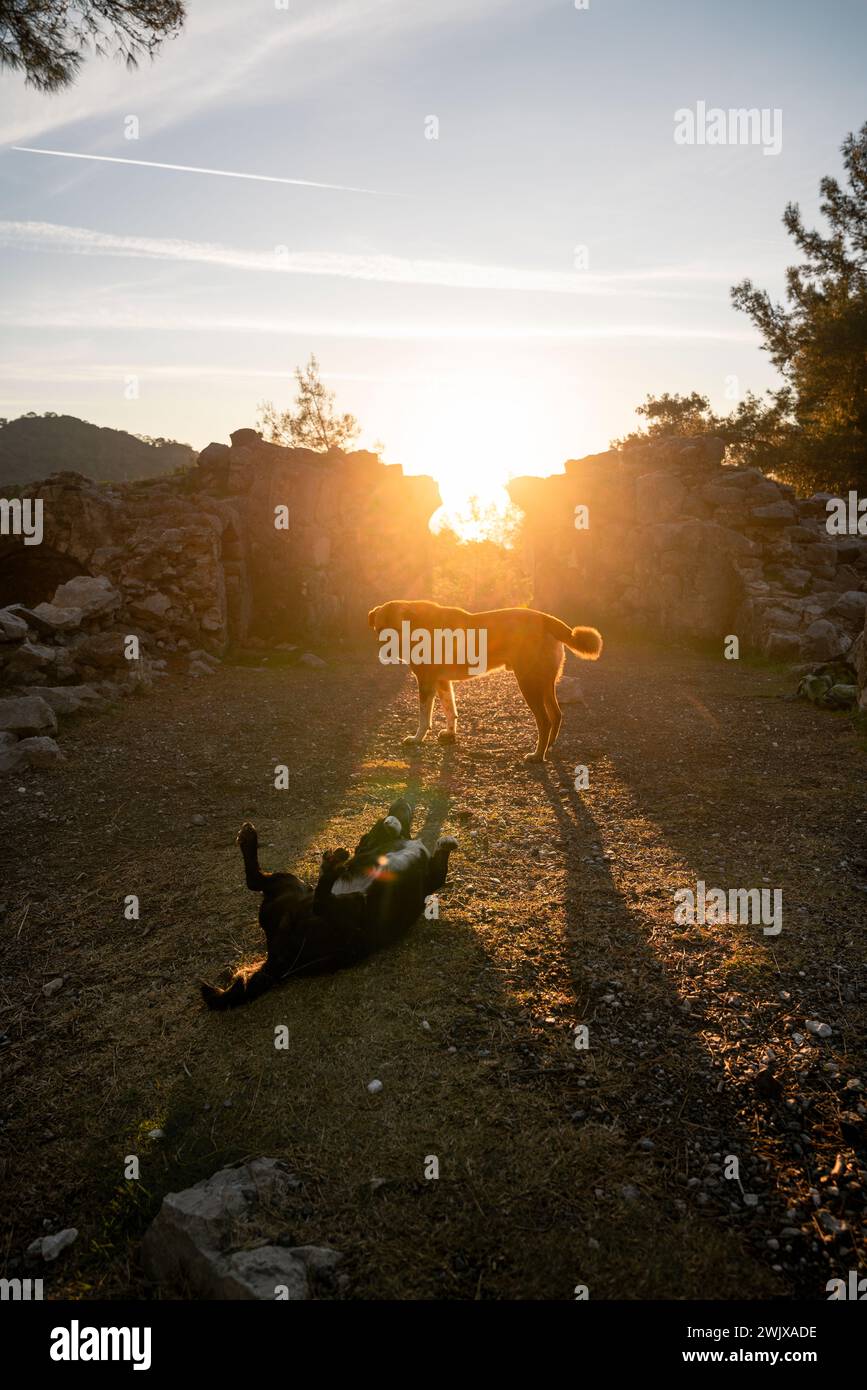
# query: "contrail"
{"points": [[194, 169]]}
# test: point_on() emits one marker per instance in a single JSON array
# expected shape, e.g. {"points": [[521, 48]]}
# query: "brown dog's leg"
{"points": [[426, 692], [446, 696], [534, 693], [555, 715]]}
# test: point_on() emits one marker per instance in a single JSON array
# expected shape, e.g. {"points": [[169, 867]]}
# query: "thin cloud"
{"points": [[196, 169], [139, 320], [651, 283]]}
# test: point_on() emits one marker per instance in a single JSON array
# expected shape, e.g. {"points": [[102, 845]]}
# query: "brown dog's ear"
{"points": [[371, 617]]}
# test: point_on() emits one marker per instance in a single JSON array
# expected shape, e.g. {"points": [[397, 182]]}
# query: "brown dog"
{"points": [[449, 644]]}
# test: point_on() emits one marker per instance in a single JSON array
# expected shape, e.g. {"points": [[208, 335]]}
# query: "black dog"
{"points": [[362, 902]]}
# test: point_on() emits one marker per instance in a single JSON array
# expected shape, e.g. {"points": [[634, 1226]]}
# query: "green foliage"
{"points": [[46, 39], [484, 573], [812, 431], [313, 424], [34, 446]]}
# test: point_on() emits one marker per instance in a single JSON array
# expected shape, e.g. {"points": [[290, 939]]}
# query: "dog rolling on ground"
{"points": [[522, 640], [362, 902]]}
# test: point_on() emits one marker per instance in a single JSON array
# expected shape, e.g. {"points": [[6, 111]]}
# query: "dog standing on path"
{"points": [[522, 640]]}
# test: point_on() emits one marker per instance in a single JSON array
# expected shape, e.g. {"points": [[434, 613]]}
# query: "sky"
{"points": [[489, 302]]}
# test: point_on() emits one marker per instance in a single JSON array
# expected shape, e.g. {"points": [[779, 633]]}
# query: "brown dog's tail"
{"points": [[585, 642]]}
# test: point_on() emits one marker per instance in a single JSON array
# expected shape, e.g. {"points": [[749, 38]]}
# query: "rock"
{"points": [[822, 641], [70, 699], [819, 1030], [52, 1246], [26, 715], [782, 646], [27, 660], [11, 757], [95, 596], [240, 438], [774, 514], [102, 650], [851, 607], [569, 691], [200, 668], [53, 617], [154, 605], [308, 659], [12, 627], [41, 752], [193, 1244], [52, 987], [659, 496], [374, 1087]]}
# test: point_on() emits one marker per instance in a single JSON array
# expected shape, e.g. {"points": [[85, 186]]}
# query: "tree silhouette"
{"points": [[313, 424], [47, 39], [819, 342]]}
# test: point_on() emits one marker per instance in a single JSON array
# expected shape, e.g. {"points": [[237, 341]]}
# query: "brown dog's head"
{"points": [[389, 615]]}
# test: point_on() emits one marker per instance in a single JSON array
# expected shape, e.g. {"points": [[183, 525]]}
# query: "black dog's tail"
{"points": [[242, 989]]}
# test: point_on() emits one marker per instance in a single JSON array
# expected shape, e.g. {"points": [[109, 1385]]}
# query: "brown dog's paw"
{"points": [[531, 759], [445, 737], [411, 741]]}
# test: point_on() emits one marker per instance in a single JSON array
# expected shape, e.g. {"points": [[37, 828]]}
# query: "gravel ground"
{"points": [[709, 1142]]}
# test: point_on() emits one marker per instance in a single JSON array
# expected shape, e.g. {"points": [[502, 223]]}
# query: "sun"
{"points": [[473, 435]]}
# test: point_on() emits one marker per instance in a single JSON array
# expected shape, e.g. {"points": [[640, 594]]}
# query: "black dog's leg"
{"points": [[439, 863], [242, 989], [248, 841], [402, 812], [332, 862]]}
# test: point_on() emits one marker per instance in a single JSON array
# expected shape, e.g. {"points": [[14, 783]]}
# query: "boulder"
{"points": [[101, 649], [822, 641], [11, 757], [13, 628], [203, 1240], [94, 595], [155, 605], [26, 715], [54, 617], [69, 699], [782, 646], [850, 608], [27, 660], [774, 514], [40, 752], [659, 496]]}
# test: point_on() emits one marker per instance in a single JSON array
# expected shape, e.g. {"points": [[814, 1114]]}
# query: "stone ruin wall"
{"points": [[681, 544], [194, 565], [678, 543]]}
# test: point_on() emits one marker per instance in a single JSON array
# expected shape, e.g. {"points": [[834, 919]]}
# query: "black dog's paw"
{"points": [[333, 858], [247, 835], [212, 996]]}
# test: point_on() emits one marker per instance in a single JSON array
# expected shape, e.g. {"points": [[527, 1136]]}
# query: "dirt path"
{"points": [[558, 1167]]}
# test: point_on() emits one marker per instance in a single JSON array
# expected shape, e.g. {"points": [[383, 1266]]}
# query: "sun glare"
{"points": [[473, 439]]}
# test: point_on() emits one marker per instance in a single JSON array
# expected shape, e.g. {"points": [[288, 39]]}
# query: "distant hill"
{"points": [[33, 446]]}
